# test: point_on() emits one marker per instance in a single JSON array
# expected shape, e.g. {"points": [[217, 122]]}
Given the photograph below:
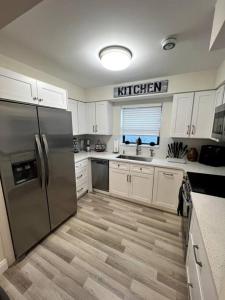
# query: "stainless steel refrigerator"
{"points": [[37, 171]]}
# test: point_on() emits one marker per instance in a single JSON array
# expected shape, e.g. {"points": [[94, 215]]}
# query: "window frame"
{"points": [[138, 106]]}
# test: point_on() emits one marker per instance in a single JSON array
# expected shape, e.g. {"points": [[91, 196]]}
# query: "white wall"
{"points": [[177, 84], [220, 75], [74, 91], [217, 36]]}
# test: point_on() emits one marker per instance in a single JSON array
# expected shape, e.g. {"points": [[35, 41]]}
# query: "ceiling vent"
{"points": [[168, 43]]}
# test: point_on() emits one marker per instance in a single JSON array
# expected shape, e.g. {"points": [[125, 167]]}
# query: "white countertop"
{"points": [[210, 212], [156, 162]]}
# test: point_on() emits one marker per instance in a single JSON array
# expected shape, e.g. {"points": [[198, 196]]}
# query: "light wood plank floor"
{"points": [[111, 249]]}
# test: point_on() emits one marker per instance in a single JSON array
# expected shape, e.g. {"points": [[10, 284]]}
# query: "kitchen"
{"points": [[112, 155]]}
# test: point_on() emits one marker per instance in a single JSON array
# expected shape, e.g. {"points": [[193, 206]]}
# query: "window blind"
{"points": [[141, 120]]}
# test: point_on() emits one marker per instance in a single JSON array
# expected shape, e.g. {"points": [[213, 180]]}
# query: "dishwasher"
{"points": [[100, 174]]}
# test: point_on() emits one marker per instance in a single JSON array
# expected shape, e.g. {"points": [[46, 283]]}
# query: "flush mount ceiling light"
{"points": [[115, 58]]}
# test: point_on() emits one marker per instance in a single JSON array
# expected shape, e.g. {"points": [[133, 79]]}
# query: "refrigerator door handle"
{"points": [[46, 151], [41, 158]]}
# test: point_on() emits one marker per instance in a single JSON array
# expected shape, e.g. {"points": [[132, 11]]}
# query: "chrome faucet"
{"points": [[138, 149]]}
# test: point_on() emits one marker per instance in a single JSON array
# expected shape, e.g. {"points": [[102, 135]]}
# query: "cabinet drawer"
{"points": [[119, 165], [81, 164], [81, 173], [141, 169]]}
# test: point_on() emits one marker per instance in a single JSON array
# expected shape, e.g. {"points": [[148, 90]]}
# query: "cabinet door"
{"points": [[141, 187], [14, 86], [167, 183], [181, 114], [52, 96], [219, 96], [203, 114], [82, 118], [103, 116], [192, 275], [118, 182], [91, 125], [73, 107]]}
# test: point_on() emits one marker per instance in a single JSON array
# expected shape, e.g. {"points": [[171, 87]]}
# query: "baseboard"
{"points": [[3, 266]]}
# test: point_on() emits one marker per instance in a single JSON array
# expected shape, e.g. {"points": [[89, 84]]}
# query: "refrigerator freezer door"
{"points": [[21, 175], [57, 140]]}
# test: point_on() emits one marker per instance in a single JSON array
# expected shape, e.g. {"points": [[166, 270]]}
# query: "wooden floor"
{"points": [[112, 249]]}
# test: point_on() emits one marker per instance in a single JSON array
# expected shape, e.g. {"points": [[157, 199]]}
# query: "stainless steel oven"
{"points": [[218, 131]]}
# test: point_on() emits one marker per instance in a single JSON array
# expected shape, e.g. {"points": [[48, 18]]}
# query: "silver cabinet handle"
{"points": [[41, 99], [193, 130], [78, 191], [80, 176], [168, 174], [195, 255], [188, 129], [93, 128], [35, 98], [96, 128]]}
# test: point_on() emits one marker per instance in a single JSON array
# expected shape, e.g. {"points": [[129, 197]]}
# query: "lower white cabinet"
{"points": [[81, 173], [118, 182], [141, 186], [131, 181], [167, 183], [200, 282]]}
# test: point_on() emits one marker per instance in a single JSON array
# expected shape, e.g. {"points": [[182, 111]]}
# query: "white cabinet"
{"points": [[81, 173], [118, 182], [141, 186], [167, 183], [203, 114], [91, 125], [99, 117], [14, 86], [82, 118], [72, 106], [131, 181], [52, 96], [199, 275], [192, 115], [220, 96], [181, 114]]}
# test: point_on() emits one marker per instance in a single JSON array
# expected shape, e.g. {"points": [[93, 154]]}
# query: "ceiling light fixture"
{"points": [[115, 58]]}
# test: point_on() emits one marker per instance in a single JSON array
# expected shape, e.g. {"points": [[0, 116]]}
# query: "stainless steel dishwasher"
{"points": [[100, 174]]}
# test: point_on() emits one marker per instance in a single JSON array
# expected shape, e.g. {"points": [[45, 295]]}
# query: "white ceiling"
{"points": [[63, 37]]}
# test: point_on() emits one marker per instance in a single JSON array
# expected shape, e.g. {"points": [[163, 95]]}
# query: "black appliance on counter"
{"points": [[199, 183], [212, 155]]}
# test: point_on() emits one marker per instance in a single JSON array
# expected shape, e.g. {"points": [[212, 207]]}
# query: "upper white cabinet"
{"points": [[91, 125], [50, 95], [203, 114], [14, 86], [220, 96], [181, 114], [17, 87], [167, 183], [82, 118], [99, 117], [72, 106], [192, 114]]}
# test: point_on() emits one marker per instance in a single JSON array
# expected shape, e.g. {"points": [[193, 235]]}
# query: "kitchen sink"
{"points": [[139, 158]]}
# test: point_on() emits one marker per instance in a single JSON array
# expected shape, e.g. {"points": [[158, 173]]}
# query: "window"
{"points": [[143, 122]]}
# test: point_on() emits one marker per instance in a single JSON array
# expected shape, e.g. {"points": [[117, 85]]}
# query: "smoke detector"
{"points": [[168, 43]]}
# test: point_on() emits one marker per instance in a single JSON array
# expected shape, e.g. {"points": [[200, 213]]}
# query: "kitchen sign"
{"points": [[141, 89]]}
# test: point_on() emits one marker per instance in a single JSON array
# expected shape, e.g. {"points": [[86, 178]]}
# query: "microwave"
{"points": [[218, 131]]}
